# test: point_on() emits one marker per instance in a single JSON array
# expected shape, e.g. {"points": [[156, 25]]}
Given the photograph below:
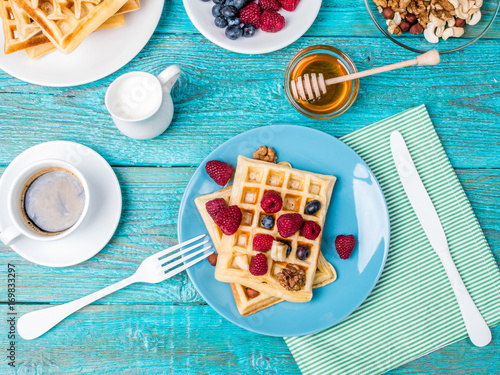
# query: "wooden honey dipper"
{"points": [[314, 84]]}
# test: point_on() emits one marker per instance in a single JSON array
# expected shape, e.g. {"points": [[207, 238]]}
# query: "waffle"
{"points": [[66, 23], [129, 6], [13, 25], [21, 33], [40, 50], [25, 26], [118, 20], [252, 178], [325, 272]]}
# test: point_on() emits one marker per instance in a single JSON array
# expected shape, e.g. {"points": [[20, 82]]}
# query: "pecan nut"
{"points": [[443, 4], [292, 277], [265, 154]]}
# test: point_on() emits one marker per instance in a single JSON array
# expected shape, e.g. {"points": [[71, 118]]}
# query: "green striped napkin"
{"points": [[412, 310]]}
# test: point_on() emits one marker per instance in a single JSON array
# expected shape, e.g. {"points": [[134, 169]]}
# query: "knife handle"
{"points": [[476, 326]]}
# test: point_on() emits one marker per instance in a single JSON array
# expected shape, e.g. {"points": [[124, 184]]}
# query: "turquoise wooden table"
{"points": [[167, 328]]}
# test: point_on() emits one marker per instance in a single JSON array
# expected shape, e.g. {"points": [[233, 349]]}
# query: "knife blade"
{"points": [[428, 217]]}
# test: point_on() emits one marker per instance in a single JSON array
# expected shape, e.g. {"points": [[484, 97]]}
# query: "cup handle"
{"points": [[169, 76], [8, 235]]}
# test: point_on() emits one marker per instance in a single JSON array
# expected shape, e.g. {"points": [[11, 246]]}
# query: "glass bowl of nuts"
{"points": [[422, 25]]}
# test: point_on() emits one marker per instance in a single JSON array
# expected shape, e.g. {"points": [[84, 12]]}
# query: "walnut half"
{"points": [[292, 277], [265, 154]]}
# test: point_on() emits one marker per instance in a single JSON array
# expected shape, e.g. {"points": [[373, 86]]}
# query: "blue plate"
{"points": [[358, 207]]}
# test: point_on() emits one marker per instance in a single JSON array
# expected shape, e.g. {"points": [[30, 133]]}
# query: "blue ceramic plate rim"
{"points": [[310, 327]]}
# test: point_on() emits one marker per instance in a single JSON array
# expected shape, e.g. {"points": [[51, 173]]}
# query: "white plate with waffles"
{"points": [[99, 55], [296, 24], [357, 206]]}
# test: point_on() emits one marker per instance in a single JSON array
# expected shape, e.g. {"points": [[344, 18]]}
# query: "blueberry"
{"points": [[248, 30], [216, 10], [220, 21], [234, 32], [267, 222], [288, 247], [312, 207], [219, 1], [205, 0], [233, 21], [303, 252], [237, 3], [229, 11]]}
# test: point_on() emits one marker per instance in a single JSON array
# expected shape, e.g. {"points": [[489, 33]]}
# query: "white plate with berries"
{"points": [[357, 208], [252, 26]]}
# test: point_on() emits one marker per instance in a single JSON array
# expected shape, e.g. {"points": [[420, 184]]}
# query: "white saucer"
{"points": [[104, 210]]}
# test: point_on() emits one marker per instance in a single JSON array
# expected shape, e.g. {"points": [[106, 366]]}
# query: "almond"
{"points": [[252, 293]]}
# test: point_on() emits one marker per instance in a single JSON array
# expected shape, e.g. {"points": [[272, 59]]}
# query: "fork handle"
{"points": [[36, 323]]}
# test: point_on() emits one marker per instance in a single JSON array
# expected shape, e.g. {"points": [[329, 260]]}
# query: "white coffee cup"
{"points": [[19, 227]]}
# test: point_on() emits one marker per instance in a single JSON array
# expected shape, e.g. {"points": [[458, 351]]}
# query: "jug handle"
{"points": [[169, 76]]}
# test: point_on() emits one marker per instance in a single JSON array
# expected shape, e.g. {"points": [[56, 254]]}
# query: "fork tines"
{"points": [[168, 263]]}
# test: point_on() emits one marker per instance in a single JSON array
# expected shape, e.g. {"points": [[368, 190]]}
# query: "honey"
{"points": [[337, 96]]}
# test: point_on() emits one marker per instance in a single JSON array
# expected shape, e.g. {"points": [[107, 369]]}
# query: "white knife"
{"points": [[427, 215]]}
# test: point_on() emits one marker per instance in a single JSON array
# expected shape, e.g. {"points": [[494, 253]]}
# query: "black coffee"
{"points": [[52, 201]]}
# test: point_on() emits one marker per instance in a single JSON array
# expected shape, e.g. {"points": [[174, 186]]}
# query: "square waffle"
{"points": [[325, 272], [68, 22], [251, 180], [118, 20], [14, 24]]}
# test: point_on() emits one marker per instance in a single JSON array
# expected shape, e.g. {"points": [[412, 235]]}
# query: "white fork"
{"points": [[152, 270]]}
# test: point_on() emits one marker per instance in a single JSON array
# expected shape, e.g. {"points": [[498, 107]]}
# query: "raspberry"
{"points": [[288, 224], [310, 230], [258, 265], [345, 245], [263, 242], [229, 220], [289, 5], [271, 21], [219, 171], [251, 14], [215, 206], [270, 5], [271, 201]]}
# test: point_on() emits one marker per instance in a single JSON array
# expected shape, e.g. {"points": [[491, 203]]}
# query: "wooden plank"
{"points": [[148, 339], [154, 339], [224, 94], [462, 99], [336, 18], [151, 200]]}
